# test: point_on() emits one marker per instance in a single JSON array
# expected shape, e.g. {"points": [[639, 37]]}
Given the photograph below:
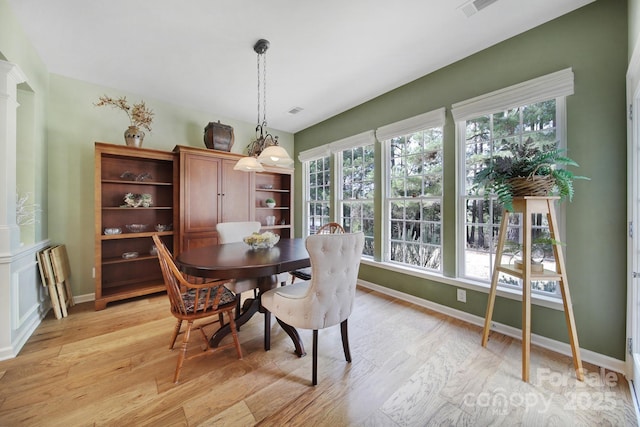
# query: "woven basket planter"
{"points": [[534, 185]]}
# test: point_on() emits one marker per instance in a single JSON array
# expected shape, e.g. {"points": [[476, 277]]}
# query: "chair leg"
{"points": [[345, 340], [176, 332], [234, 332], [238, 301], [314, 379], [267, 330], [183, 352]]}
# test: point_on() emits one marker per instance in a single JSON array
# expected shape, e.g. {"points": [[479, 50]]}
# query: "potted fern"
{"points": [[527, 169]]}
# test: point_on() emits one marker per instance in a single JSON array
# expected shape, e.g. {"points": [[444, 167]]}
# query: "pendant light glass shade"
{"points": [[248, 164], [275, 155], [265, 148]]}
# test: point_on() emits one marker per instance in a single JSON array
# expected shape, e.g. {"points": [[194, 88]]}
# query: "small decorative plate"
{"points": [[130, 255], [137, 228]]}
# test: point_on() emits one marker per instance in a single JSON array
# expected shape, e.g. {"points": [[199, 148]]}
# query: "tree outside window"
{"points": [[503, 132], [357, 192], [414, 199], [319, 194]]}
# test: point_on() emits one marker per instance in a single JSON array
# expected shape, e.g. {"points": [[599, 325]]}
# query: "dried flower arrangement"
{"points": [[139, 115]]}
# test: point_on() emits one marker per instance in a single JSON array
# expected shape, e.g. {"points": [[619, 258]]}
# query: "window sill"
{"points": [[551, 302]]}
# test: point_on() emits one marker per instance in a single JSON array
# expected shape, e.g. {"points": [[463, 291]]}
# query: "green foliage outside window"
{"points": [[415, 199]]}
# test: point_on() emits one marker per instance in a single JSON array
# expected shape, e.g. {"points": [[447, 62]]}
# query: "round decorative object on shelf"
{"points": [[133, 136], [218, 136], [130, 255], [137, 228], [132, 200]]}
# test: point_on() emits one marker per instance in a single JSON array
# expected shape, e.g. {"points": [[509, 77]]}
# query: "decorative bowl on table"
{"points": [[262, 241], [137, 228]]}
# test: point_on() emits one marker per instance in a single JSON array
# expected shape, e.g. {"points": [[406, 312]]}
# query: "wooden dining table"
{"points": [[240, 261]]}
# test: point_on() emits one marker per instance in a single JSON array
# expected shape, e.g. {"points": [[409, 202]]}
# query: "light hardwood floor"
{"points": [[411, 367]]}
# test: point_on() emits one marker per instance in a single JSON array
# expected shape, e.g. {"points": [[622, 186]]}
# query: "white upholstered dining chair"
{"points": [[233, 232], [305, 273], [327, 299]]}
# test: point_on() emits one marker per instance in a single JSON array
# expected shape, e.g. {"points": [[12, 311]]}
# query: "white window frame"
{"points": [[556, 86], [333, 149], [337, 148], [305, 157], [429, 120]]}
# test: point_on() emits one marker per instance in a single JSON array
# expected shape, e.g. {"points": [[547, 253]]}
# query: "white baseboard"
{"points": [[12, 351], [84, 298], [544, 342]]}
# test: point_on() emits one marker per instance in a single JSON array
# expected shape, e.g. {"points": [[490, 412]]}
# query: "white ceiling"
{"points": [[325, 56]]}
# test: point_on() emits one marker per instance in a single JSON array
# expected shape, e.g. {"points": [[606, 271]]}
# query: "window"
{"points": [[486, 136], [318, 195], [499, 123], [356, 169], [413, 192], [354, 183]]}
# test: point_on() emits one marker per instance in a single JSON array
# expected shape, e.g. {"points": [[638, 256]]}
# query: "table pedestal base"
{"points": [[250, 307]]}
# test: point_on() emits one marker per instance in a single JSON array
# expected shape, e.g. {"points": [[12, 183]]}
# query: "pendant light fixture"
{"points": [[264, 149]]}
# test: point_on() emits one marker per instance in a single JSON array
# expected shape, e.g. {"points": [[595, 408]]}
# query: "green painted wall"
{"points": [[59, 162], [634, 24], [593, 41], [74, 124], [31, 173]]}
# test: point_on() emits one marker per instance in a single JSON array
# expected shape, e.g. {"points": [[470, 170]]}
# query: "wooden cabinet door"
{"points": [[210, 191], [236, 194], [198, 240], [201, 193]]}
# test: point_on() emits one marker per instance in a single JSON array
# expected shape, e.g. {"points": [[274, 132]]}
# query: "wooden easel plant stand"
{"points": [[527, 206]]}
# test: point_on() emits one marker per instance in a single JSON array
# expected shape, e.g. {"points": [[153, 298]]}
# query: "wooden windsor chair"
{"points": [[192, 302]]}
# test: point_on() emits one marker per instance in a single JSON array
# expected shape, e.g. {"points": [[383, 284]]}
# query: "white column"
{"points": [[10, 77]]}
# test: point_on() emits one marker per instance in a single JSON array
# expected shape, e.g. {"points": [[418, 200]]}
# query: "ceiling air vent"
{"points": [[475, 6], [295, 110]]}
